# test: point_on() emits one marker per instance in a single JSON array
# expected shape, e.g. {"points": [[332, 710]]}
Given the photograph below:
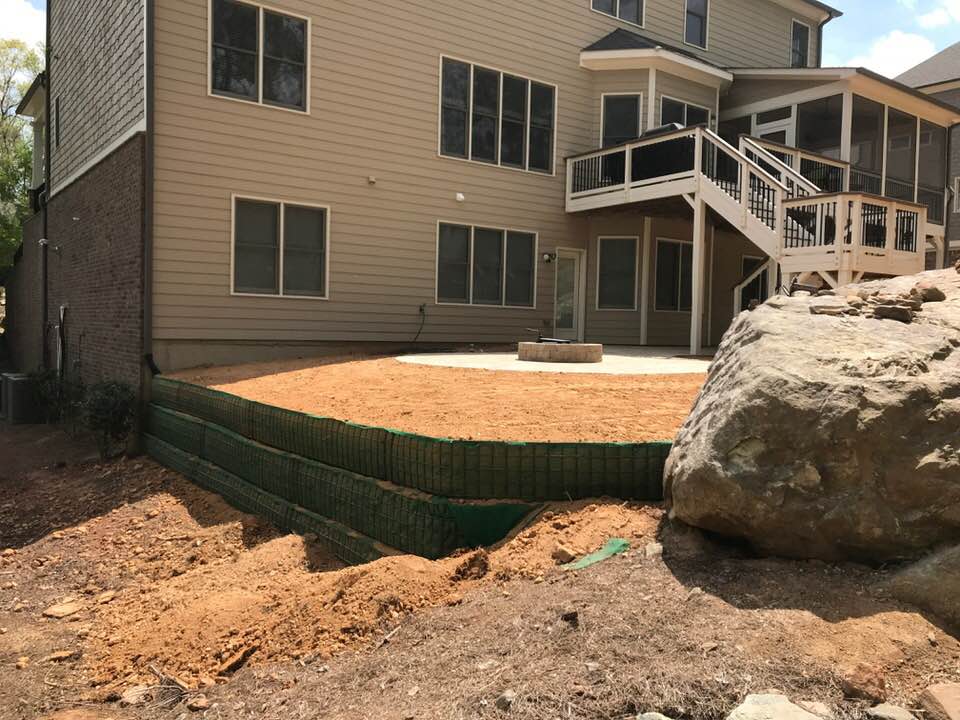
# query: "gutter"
{"points": [[45, 242], [148, 188]]}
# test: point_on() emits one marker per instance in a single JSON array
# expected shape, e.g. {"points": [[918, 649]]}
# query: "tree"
{"points": [[19, 65]]}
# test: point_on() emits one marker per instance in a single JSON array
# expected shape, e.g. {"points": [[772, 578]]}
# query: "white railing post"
{"points": [[570, 164], [890, 241], [628, 167]]}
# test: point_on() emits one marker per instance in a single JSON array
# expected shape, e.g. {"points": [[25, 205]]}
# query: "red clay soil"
{"points": [[468, 404]]}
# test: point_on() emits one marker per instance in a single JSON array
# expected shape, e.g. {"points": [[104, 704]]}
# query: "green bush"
{"points": [[59, 400], [111, 410]]}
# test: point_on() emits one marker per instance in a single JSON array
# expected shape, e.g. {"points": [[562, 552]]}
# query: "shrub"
{"points": [[110, 412], [59, 399]]}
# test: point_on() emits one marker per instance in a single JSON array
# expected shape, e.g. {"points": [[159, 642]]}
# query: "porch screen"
{"points": [[617, 279], [866, 146], [901, 155], [933, 170]]}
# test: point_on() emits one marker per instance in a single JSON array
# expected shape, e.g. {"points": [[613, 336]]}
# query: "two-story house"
{"points": [[229, 180], [939, 77]]}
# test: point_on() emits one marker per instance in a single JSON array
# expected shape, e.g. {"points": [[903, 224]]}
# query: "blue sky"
{"points": [[888, 36]]}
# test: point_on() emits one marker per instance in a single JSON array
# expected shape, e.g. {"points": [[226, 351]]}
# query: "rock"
{"points": [[900, 313], [197, 703], [865, 682], [563, 555], [652, 716], [653, 550], [63, 610], [104, 598], [941, 702], [825, 437], [890, 712], [506, 700], [136, 695], [928, 291], [770, 707], [22, 663], [932, 584], [60, 656], [572, 618], [9, 552], [821, 710]]}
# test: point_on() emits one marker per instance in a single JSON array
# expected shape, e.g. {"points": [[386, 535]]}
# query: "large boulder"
{"points": [[933, 584], [829, 427]]}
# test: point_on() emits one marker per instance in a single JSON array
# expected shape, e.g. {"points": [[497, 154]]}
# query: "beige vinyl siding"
{"points": [[97, 72], [613, 327], [687, 91], [730, 249], [741, 33]]}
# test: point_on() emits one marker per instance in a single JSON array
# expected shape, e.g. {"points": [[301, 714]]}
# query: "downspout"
{"points": [[148, 187], [44, 299]]}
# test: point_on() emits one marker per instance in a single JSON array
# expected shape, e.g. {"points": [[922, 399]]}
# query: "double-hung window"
{"points": [[617, 273], [675, 111], [497, 118], [259, 55], [280, 248], [674, 276], [630, 11], [621, 119], [485, 266], [800, 45], [695, 27]]}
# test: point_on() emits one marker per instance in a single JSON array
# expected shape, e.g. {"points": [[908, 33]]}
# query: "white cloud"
{"points": [[22, 21], [944, 13], [895, 53]]}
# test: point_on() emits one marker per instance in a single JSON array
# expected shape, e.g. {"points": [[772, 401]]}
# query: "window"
{"points": [[819, 126], [800, 45], [695, 28], [675, 111], [275, 74], [485, 266], [629, 10], [492, 117], [280, 248], [617, 273], [674, 276], [621, 119]]}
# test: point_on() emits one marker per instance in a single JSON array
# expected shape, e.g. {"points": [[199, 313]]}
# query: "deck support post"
{"points": [[699, 274]]}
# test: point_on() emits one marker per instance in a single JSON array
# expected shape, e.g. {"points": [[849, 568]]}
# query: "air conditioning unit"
{"points": [[19, 399]]}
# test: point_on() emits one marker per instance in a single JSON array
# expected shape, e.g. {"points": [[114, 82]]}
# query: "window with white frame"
{"points": [[630, 11], [280, 248], [674, 275], [683, 113], [486, 266], [621, 119], [497, 118], [617, 273], [800, 45], [259, 55], [695, 26]]}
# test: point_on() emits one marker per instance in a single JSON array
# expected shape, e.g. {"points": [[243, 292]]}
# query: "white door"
{"points": [[570, 291]]}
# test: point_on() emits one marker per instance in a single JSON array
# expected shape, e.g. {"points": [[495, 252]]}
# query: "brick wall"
{"points": [[22, 322], [97, 227]]}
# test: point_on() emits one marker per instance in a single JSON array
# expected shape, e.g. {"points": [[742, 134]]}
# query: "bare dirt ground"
{"points": [[467, 403], [259, 625]]}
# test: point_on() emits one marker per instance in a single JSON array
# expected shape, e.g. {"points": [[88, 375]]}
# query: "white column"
{"points": [[941, 244], [699, 275], [846, 132]]}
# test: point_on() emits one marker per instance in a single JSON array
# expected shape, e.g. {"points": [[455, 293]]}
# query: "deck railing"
{"points": [[879, 234], [827, 174], [773, 162]]}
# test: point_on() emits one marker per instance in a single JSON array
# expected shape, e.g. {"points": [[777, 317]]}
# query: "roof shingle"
{"points": [[942, 67]]}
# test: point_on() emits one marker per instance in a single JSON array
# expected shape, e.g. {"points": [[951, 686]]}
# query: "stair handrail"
{"points": [[780, 165], [743, 159], [738, 289]]}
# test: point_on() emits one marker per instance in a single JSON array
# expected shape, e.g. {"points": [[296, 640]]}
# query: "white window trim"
{"points": [[259, 102], [656, 261], [706, 29], [956, 195], [636, 273], [280, 240], [809, 28], [710, 113], [522, 76], [603, 110], [503, 270], [616, 15]]}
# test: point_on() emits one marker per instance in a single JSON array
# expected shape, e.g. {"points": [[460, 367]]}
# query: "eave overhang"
{"points": [[33, 103], [657, 59]]}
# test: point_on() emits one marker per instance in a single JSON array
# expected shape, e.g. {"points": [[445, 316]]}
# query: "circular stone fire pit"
{"points": [[560, 353]]}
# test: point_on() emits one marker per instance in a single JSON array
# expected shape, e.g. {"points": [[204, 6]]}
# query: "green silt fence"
{"points": [[409, 520], [483, 470]]}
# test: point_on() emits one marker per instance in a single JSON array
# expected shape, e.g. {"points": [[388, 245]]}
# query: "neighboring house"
{"points": [[230, 181], [939, 77]]}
